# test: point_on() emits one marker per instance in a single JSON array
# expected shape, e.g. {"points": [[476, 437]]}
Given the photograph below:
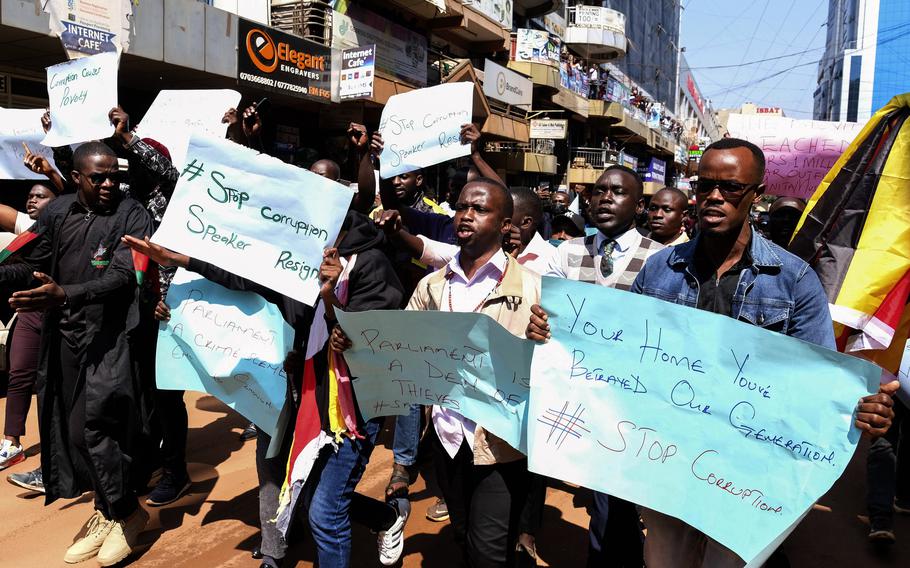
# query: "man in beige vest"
{"points": [[483, 479]]}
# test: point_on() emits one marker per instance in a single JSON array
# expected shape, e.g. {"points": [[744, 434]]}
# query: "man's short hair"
{"points": [[331, 166], [525, 200], [639, 184], [731, 143], [675, 193], [93, 148], [497, 187]]}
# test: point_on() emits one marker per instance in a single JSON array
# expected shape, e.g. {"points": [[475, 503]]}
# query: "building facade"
{"points": [[865, 59], [652, 27]]}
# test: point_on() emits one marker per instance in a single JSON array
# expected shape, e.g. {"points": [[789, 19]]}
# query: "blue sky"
{"points": [[718, 33]]}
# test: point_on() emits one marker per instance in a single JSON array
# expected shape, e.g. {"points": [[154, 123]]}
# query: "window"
{"points": [[856, 67]]}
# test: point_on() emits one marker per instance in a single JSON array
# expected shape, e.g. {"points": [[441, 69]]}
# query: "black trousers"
{"points": [[615, 539], [72, 390], [170, 411], [485, 504]]}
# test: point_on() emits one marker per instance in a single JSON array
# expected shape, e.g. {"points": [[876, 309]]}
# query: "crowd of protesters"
{"points": [[87, 325]]}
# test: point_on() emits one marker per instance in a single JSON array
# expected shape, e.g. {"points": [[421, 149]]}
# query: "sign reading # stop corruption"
{"points": [[275, 61], [253, 215]]}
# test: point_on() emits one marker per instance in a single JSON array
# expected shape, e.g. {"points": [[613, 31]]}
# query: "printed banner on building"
{"points": [[175, 115], [423, 127], [358, 69], [798, 153], [536, 46], [400, 52], [551, 128], [226, 343], [275, 61], [254, 215], [653, 170], [505, 85], [81, 94], [716, 432], [18, 127], [402, 358], [87, 27], [500, 11]]}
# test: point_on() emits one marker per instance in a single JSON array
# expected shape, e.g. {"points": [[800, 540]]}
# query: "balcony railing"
{"points": [[309, 19], [594, 158], [596, 32]]}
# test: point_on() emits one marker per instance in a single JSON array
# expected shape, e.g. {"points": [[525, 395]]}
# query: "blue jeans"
{"points": [[331, 502], [407, 437]]}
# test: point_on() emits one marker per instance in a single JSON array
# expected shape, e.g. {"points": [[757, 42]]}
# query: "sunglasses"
{"points": [[99, 179], [729, 189]]}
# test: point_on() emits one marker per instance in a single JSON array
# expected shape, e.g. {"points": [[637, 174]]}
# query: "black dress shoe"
{"points": [[256, 554]]}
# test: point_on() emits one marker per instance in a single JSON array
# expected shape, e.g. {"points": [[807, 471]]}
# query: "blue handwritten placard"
{"points": [[461, 361], [732, 428], [226, 343]]}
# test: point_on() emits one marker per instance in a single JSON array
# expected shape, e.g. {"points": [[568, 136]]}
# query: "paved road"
{"points": [[216, 524]]}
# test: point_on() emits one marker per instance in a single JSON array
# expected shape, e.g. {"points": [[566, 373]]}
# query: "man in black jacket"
{"points": [[90, 399]]}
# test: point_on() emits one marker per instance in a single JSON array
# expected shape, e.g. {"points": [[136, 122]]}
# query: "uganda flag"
{"points": [[16, 244], [855, 233]]}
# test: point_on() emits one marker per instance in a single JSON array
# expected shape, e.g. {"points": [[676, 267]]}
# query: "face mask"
{"points": [[556, 242], [560, 209]]}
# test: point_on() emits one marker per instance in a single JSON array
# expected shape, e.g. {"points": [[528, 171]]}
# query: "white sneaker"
{"points": [[10, 454], [391, 541]]}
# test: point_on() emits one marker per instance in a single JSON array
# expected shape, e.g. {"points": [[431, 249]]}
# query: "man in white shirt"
{"points": [[483, 479], [612, 257], [524, 242]]}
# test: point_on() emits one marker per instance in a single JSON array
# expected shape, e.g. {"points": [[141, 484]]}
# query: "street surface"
{"points": [[215, 525]]}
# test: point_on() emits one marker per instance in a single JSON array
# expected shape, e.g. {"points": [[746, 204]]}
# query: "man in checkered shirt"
{"points": [[612, 257]]}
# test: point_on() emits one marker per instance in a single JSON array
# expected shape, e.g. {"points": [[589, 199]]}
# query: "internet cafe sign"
{"points": [[554, 129], [506, 85], [282, 63]]}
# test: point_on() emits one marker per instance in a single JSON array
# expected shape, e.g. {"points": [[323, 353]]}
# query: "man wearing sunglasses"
{"points": [[88, 391], [732, 270]]}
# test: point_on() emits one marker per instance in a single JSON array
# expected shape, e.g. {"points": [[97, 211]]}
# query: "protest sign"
{"points": [[414, 357], [253, 215], [903, 375], [690, 413], [226, 343], [358, 68], [423, 127], [798, 153], [176, 114], [16, 127], [81, 93]]}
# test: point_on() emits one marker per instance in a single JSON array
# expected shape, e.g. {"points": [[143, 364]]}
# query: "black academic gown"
{"points": [[102, 293]]}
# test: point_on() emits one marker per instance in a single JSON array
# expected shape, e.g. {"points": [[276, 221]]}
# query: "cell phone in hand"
{"points": [[261, 106]]}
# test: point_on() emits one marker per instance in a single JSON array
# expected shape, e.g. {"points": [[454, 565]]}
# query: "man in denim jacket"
{"points": [[732, 270]]}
